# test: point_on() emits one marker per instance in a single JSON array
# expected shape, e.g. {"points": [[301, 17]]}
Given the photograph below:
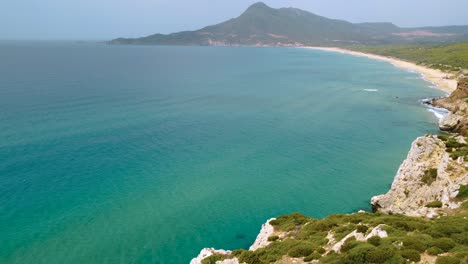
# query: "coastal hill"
{"points": [[262, 25]]}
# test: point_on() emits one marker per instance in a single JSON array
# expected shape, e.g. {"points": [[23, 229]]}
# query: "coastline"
{"points": [[440, 79]]}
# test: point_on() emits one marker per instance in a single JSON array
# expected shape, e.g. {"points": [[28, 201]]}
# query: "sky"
{"points": [[107, 19]]}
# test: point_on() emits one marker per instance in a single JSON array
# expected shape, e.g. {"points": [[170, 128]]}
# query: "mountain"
{"points": [[263, 25]]}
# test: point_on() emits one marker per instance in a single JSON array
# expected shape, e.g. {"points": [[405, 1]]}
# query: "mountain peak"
{"points": [[258, 5]]}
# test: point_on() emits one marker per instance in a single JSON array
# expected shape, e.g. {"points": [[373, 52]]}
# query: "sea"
{"points": [[147, 154]]}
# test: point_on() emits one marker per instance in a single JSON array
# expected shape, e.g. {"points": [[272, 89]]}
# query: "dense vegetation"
{"points": [[409, 239], [449, 57]]}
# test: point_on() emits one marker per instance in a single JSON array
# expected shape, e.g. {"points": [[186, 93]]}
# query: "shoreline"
{"points": [[438, 78]]}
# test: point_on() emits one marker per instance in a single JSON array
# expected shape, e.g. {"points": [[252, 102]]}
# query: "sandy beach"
{"points": [[437, 77]]}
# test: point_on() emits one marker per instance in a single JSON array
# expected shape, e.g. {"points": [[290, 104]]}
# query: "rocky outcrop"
{"points": [[206, 252], [450, 122], [457, 104], [262, 238], [260, 242], [427, 175], [376, 231]]}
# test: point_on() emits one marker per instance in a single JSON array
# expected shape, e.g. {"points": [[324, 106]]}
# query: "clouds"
{"points": [[105, 19]]}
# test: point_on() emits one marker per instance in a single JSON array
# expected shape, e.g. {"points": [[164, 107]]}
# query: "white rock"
{"points": [[408, 194], [377, 231], [449, 121], [262, 238]]}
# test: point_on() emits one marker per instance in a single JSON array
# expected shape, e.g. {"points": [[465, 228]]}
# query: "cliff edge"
{"points": [[457, 103], [428, 181]]}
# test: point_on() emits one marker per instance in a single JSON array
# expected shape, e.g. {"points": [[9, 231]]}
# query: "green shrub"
{"points": [[314, 256], [430, 176], [248, 257], [289, 222], [453, 143], [411, 255], [444, 243], [414, 243], [349, 244], [213, 258], [375, 240], [300, 251], [321, 250], [463, 192], [443, 137], [378, 255], [461, 238], [434, 204], [462, 152], [359, 254], [447, 260], [273, 238], [434, 251], [464, 205], [362, 229]]}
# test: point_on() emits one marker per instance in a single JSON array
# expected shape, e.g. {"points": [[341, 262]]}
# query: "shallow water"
{"points": [[127, 154]]}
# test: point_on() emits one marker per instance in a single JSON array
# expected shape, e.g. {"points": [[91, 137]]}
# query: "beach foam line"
{"points": [[437, 111]]}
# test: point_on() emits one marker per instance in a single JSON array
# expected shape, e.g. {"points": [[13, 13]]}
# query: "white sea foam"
{"points": [[438, 112], [371, 90]]}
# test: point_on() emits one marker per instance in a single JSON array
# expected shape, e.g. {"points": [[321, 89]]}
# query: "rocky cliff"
{"points": [[457, 103], [428, 181]]}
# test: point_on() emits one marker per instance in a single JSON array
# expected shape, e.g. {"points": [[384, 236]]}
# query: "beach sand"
{"points": [[439, 78]]}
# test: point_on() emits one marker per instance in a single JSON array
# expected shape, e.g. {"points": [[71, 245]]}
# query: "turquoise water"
{"points": [[126, 154]]}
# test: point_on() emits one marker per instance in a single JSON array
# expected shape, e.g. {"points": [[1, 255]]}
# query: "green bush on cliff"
{"points": [[213, 258], [300, 251], [444, 243], [375, 240], [273, 238], [463, 152], [289, 222], [434, 251], [411, 254], [434, 204], [430, 176], [414, 243], [447, 260], [362, 229], [463, 192]]}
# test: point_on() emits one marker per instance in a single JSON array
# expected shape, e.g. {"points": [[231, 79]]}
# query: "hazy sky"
{"points": [[106, 19]]}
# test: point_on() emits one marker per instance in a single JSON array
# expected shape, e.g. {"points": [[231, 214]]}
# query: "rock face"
{"points": [[377, 231], [427, 175], [450, 122], [262, 238], [457, 104]]}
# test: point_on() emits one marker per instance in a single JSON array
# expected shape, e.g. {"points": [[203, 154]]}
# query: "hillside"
{"points": [[263, 25]]}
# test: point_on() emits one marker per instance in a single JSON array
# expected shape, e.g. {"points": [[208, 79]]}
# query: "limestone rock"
{"points": [[449, 122], [376, 231], [409, 193], [262, 238]]}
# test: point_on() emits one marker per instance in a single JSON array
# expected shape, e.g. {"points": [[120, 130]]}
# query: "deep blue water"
{"points": [[127, 154]]}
